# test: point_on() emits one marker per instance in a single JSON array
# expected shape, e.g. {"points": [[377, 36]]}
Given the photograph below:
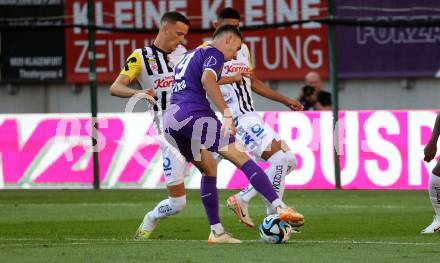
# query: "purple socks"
{"points": [[209, 196], [259, 180]]}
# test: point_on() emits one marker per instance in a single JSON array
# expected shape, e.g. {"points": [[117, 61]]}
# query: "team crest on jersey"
{"points": [[153, 65]]}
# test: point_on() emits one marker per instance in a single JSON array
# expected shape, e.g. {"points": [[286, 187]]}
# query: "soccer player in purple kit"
{"points": [[193, 128]]}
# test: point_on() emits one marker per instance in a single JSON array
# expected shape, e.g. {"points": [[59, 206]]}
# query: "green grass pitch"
{"points": [[97, 226]]}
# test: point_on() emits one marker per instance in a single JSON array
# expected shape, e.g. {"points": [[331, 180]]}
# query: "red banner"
{"points": [[277, 54]]}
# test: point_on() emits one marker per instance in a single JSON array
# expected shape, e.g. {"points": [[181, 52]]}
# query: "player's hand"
{"points": [[147, 94], [430, 151], [294, 105], [247, 74], [228, 125], [239, 76]]}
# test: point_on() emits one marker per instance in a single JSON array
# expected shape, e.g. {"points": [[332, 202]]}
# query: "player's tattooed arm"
{"points": [[120, 88], [210, 84], [262, 89], [431, 148]]}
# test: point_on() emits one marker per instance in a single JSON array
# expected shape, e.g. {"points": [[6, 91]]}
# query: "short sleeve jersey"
{"points": [[154, 69], [187, 87], [238, 95]]}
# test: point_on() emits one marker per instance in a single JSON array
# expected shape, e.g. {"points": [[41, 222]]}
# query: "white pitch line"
{"points": [[341, 206], [74, 204], [25, 239], [356, 242], [91, 241], [367, 206]]}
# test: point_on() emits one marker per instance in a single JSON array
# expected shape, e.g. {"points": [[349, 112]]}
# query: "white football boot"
{"points": [[240, 209], [224, 238], [434, 227]]}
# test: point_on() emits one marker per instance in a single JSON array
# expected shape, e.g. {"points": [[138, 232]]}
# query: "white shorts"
{"points": [[254, 134], [175, 166]]}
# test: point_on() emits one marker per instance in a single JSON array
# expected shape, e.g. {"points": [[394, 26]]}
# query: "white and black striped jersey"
{"points": [[154, 69], [238, 95]]}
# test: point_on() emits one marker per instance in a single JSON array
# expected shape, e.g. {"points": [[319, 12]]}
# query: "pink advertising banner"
{"points": [[377, 150]]}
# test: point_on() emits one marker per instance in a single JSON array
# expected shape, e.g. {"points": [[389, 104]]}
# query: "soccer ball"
{"points": [[275, 231]]}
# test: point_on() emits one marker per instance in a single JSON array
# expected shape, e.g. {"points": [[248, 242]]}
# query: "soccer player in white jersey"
{"points": [[434, 180], [237, 84], [153, 67]]}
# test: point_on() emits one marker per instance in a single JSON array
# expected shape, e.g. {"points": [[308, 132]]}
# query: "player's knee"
{"points": [[210, 169], [176, 186], [208, 172], [284, 146], [178, 203]]}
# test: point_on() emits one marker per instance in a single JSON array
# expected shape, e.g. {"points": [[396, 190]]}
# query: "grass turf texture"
{"points": [[97, 226]]}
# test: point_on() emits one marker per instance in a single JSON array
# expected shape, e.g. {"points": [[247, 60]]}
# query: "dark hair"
{"points": [[227, 29], [228, 12], [174, 17]]}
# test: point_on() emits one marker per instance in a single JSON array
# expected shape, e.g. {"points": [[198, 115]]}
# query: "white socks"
{"points": [[217, 228], [165, 208], [248, 193], [276, 203], [291, 161], [281, 163], [277, 172], [434, 194]]}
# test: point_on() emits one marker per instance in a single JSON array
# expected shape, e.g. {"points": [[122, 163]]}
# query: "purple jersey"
{"points": [[189, 123], [187, 86]]}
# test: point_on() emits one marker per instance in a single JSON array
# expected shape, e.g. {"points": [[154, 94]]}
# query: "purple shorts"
{"points": [[191, 130]]}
